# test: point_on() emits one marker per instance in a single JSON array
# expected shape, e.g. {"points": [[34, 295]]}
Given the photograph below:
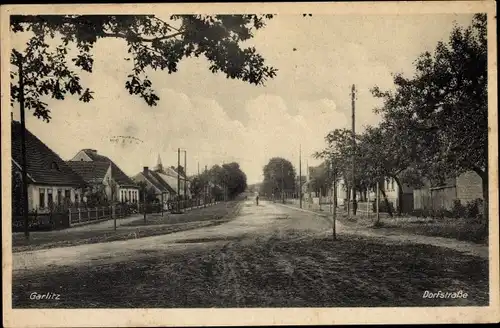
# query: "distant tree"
{"points": [[278, 173], [339, 153], [149, 192], [235, 179], [96, 196], [152, 44], [321, 178], [387, 152], [197, 186], [445, 105], [217, 177]]}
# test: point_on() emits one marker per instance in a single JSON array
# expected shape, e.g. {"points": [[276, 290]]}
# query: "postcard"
{"points": [[243, 164]]}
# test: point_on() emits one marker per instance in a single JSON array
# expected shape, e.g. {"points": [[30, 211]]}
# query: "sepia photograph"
{"points": [[249, 164]]}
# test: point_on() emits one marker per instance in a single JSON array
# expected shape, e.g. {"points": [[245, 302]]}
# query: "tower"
{"points": [[159, 165]]}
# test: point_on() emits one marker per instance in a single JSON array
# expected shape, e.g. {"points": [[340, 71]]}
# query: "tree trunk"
{"points": [[484, 183], [400, 195], [348, 199], [386, 201]]}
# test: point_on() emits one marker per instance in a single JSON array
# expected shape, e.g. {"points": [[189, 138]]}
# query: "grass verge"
{"points": [[459, 229], [154, 226]]}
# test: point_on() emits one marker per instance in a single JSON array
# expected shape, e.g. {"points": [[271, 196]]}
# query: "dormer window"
{"points": [[54, 166]]}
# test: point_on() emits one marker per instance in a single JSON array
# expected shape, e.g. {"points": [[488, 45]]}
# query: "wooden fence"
{"points": [[434, 198], [80, 216]]}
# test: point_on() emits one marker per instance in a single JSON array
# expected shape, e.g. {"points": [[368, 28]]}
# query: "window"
{"points": [[59, 196], [54, 166], [77, 200], [50, 199], [67, 194], [129, 195], [41, 202]]}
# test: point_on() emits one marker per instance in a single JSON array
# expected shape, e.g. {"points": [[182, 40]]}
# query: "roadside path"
{"points": [[458, 245]]}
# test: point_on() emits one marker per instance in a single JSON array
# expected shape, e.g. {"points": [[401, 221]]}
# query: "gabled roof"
{"points": [[118, 175], [44, 165], [155, 179], [91, 172], [176, 171], [169, 180]]}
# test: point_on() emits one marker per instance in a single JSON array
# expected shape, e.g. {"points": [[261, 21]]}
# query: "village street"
{"points": [[268, 255]]}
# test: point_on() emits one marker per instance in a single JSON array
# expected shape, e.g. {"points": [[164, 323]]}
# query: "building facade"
{"points": [[125, 189], [52, 184]]}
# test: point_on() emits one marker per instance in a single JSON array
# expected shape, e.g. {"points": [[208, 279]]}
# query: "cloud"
{"points": [[218, 120]]}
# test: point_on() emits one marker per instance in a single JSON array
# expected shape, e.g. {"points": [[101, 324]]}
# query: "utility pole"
{"points": [[353, 96], [111, 187], [205, 189], [185, 175], [23, 146], [178, 180], [144, 200], [282, 183], [378, 201], [224, 183], [334, 221], [300, 175]]}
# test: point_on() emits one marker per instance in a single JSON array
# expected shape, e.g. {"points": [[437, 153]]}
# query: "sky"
{"points": [[217, 120]]}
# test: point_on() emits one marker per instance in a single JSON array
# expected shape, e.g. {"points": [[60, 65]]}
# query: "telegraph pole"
{"points": [[282, 184], [178, 180], [300, 175], [185, 175], [205, 189], [353, 97], [111, 187], [334, 221]]}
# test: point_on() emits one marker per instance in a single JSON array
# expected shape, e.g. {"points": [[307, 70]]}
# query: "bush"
{"points": [[382, 207], [473, 209], [441, 213], [458, 210]]}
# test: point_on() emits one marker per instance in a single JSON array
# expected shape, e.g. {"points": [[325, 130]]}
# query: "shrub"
{"points": [[472, 209], [417, 212], [441, 213], [382, 207], [458, 210]]}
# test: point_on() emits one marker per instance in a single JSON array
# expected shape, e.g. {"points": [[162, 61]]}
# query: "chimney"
{"points": [[145, 170]]}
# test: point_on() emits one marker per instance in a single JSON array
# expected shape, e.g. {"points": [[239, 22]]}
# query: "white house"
{"points": [[126, 190], [51, 181]]}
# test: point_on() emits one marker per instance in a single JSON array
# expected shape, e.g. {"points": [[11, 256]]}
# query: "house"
{"points": [[51, 181], [98, 176], [126, 190], [465, 187], [178, 182], [185, 183], [390, 188], [163, 191]]}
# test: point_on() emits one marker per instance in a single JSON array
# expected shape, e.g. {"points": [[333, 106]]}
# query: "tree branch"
{"points": [[141, 39]]}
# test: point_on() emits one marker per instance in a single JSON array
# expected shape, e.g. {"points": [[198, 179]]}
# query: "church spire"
{"points": [[159, 165]]}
